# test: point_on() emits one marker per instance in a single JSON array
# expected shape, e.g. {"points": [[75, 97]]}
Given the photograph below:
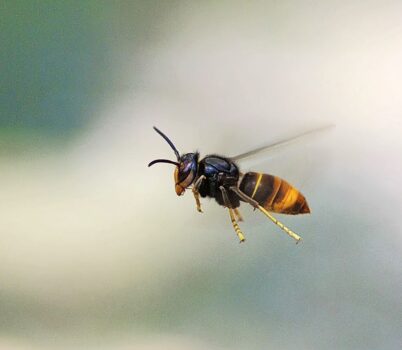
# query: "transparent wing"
{"points": [[281, 143]]}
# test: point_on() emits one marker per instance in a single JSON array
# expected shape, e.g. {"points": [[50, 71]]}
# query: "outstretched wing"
{"points": [[280, 143]]}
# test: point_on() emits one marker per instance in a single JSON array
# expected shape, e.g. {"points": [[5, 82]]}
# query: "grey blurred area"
{"points": [[96, 249]]}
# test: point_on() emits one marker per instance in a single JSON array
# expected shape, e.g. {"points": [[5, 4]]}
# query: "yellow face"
{"points": [[179, 189], [185, 172]]}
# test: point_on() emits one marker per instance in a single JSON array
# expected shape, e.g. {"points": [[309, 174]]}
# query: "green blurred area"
{"points": [[59, 60], [55, 64]]}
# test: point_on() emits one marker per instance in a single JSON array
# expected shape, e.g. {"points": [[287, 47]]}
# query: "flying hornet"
{"points": [[219, 177]]}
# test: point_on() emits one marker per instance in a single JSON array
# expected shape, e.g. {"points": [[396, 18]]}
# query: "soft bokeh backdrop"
{"points": [[97, 251]]}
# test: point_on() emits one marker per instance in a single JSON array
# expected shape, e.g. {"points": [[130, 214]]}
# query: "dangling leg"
{"points": [[197, 201], [282, 226], [238, 215], [236, 226], [196, 194], [266, 213], [232, 216]]}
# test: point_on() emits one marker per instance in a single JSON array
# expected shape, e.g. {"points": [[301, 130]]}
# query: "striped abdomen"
{"points": [[274, 194]]}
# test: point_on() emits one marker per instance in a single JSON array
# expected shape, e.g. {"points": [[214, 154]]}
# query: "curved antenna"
{"points": [[163, 161], [168, 141], [280, 143]]}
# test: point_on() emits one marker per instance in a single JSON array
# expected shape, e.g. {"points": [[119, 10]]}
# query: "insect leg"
{"points": [[197, 201], [282, 226], [236, 226], [232, 215], [246, 198], [238, 215], [266, 213], [196, 194]]}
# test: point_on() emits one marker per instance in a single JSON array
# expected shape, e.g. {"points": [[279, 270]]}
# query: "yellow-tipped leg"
{"points": [[255, 204], [197, 200], [238, 215], [282, 226], [236, 226], [196, 194]]}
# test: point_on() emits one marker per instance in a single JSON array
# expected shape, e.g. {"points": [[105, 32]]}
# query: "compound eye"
{"points": [[185, 167]]}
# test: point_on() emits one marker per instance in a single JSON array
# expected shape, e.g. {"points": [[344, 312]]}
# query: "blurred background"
{"points": [[96, 249]]}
